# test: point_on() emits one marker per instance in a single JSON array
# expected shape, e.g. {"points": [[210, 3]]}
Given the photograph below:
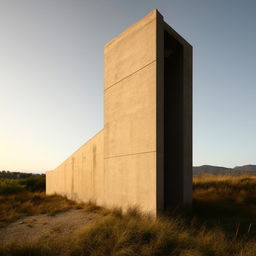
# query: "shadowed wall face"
{"points": [[177, 120], [173, 125]]}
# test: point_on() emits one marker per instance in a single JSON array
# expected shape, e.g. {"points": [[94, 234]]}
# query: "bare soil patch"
{"points": [[43, 226]]}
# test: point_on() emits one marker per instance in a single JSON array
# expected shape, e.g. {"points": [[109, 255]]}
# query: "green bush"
{"points": [[13, 186], [9, 186], [34, 183]]}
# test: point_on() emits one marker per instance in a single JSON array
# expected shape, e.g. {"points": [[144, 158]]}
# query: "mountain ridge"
{"points": [[220, 170]]}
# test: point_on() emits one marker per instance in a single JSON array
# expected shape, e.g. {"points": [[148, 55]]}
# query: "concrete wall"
{"points": [[124, 164], [81, 176], [130, 115]]}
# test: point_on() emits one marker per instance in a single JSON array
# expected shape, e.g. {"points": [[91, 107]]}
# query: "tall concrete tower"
{"points": [[143, 156]]}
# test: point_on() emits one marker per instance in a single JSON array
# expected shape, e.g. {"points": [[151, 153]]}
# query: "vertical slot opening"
{"points": [[173, 121]]}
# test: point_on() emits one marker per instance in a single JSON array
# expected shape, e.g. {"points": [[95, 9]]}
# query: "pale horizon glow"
{"points": [[51, 76]]}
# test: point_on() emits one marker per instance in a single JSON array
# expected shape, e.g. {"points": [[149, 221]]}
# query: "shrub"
{"points": [[8, 187], [34, 183]]}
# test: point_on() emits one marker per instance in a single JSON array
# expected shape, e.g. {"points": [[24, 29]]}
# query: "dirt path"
{"points": [[44, 226]]}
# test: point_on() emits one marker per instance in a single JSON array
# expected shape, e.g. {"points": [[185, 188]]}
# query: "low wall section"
{"points": [[81, 177]]}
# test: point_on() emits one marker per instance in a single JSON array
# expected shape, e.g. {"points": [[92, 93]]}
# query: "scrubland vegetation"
{"points": [[13, 185], [222, 222]]}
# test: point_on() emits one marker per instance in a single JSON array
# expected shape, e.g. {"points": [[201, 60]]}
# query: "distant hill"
{"points": [[219, 170], [246, 168]]}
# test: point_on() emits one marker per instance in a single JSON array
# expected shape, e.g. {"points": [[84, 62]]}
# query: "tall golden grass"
{"points": [[23, 204], [218, 224], [226, 201]]}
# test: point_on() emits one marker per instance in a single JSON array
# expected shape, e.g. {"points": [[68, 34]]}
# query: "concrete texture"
{"points": [[143, 157], [130, 114], [81, 176], [133, 49]]}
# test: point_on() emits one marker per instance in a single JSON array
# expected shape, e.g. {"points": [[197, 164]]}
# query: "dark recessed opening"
{"points": [[173, 121]]}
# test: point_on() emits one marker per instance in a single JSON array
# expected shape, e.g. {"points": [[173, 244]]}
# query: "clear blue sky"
{"points": [[51, 75]]}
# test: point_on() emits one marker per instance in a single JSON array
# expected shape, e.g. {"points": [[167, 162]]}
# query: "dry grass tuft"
{"points": [[221, 223], [92, 207], [127, 235], [226, 201], [24, 204]]}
